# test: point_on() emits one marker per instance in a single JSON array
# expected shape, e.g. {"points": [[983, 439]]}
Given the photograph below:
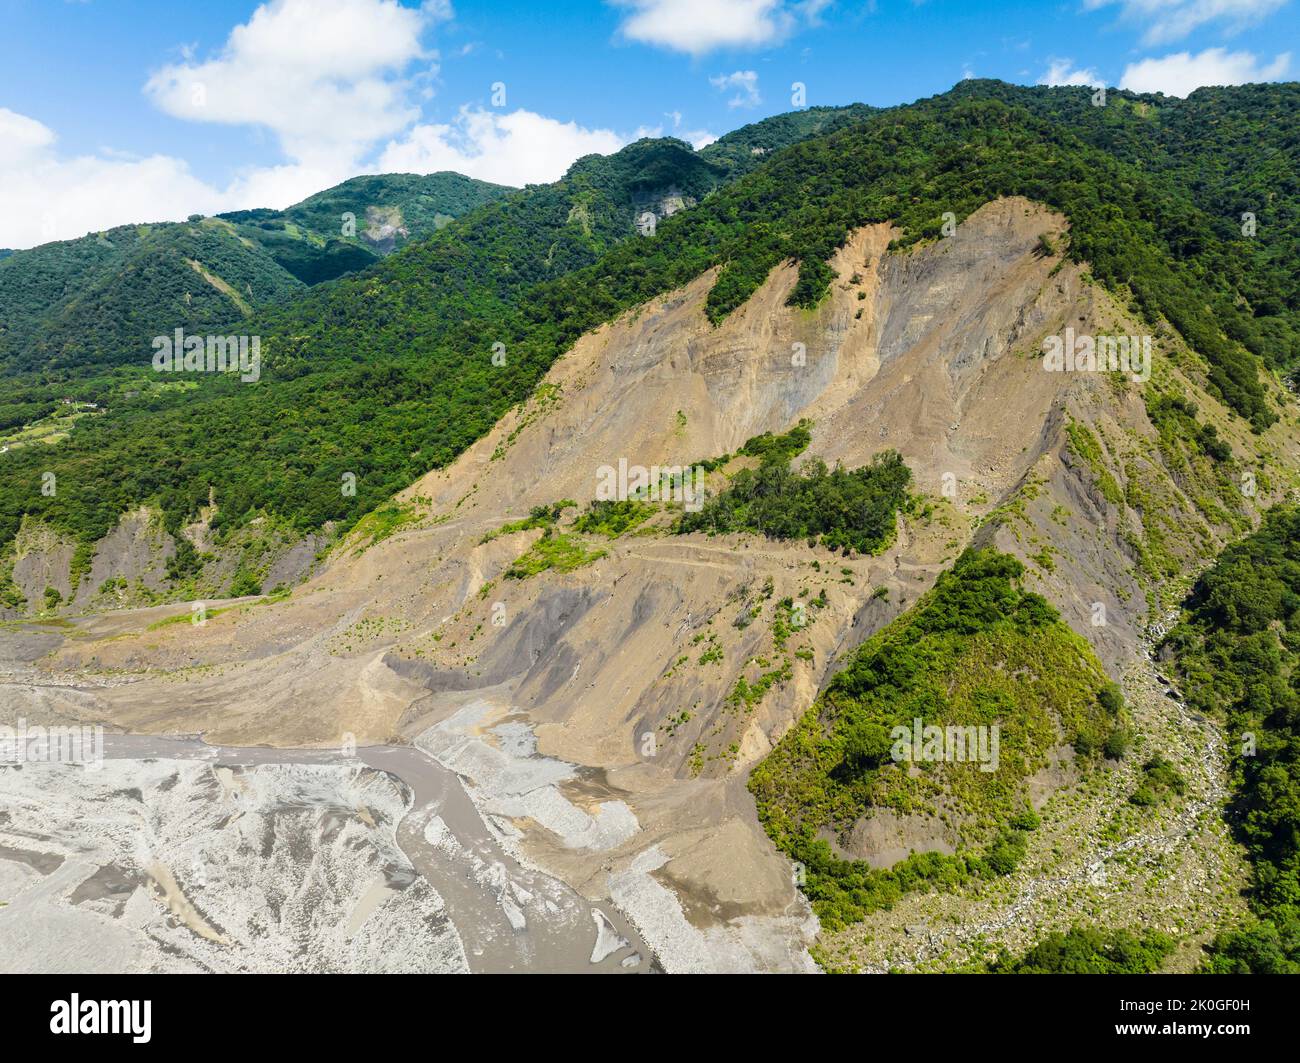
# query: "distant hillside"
{"points": [[361, 220], [747, 148], [98, 300]]}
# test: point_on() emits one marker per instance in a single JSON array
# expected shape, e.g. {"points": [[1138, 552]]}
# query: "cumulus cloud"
{"points": [[517, 148], [1182, 73], [745, 84], [324, 75], [1062, 72], [52, 198], [700, 26], [1171, 20]]}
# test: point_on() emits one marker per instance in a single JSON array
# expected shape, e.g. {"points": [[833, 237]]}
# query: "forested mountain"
{"points": [[391, 372], [72, 306], [350, 226], [1238, 649], [748, 147], [98, 300]]}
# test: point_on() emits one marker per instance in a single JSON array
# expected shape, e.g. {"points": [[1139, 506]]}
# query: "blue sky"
{"points": [[125, 110]]}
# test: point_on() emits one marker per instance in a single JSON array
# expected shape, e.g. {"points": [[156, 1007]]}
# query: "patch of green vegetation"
{"points": [[976, 651], [380, 524], [538, 517], [612, 519], [83, 556], [554, 550], [1175, 418], [787, 619], [11, 595], [1045, 558], [1085, 445], [244, 584], [841, 509], [185, 563], [1238, 649], [780, 448], [1159, 782], [712, 653], [745, 695], [1086, 950]]}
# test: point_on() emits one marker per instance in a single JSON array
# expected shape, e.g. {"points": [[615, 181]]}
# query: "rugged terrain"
{"points": [[625, 668]]}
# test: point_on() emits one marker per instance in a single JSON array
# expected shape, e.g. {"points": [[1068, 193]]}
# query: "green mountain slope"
{"points": [[748, 147], [354, 366], [73, 305], [975, 652], [1238, 649], [101, 299], [353, 224], [390, 372]]}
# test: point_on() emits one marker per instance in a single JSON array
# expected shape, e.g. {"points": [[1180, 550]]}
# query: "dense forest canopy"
{"points": [[1238, 649]]}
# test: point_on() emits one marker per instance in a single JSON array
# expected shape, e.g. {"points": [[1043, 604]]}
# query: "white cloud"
{"points": [[329, 78], [51, 198], [323, 75], [697, 138], [1182, 73], [1171, 20], [700, 26], [745, 82], [1061, 72], [514, 149], [21, 138]]}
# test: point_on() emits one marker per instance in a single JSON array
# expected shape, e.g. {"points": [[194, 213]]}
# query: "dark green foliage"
{"points": [[1268, 946], [866, 746], [612, 519], [845, 510], [185, 562], [1111, 698], [244, 583], [1238, 648], [1160, 780], [975, 651], [99, 301], [1117, 744], [779, 448], [1085, 950], [1175, 416], [747, 148]]}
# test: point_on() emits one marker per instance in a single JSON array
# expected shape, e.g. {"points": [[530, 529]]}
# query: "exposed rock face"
{"points": [[128, 567], [933, 353]]}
